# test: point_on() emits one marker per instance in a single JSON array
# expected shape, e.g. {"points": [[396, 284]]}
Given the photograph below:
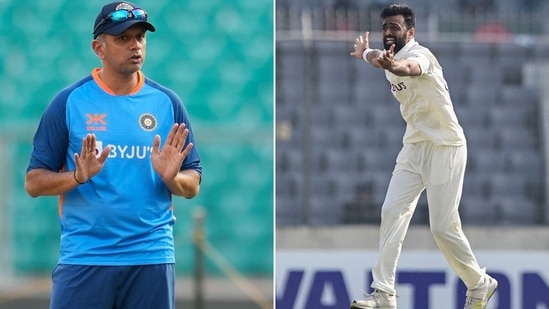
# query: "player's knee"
{"points": [[445, 230], [396, 211], [438, 232], [388, 212]]}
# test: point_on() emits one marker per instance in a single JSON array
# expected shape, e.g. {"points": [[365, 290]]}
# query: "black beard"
{"points": [[399, 44]]}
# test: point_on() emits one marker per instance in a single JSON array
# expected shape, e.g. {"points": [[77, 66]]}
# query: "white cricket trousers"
{"points": [[439, 170]]}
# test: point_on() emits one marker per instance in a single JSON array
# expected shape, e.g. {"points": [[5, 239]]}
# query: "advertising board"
{"points": [[331, 279]]}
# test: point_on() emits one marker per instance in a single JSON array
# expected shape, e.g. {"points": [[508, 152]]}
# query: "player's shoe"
{"points": [[376, 300], [479, 297]]}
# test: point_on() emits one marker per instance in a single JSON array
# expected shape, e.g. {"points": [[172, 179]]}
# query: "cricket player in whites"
{"points": [[432, 158]]}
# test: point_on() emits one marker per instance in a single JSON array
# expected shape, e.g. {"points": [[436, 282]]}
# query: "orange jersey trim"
{"points": [[60, 206], [102, 85]]}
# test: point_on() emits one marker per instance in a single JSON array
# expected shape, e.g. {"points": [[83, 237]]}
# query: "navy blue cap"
{"points": [[115, 28]]}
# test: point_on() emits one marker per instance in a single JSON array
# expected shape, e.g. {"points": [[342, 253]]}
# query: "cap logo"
{"points": [[124, 6]]}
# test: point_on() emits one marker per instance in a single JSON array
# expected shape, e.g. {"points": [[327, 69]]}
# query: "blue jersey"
{"points": [[123, 215]]}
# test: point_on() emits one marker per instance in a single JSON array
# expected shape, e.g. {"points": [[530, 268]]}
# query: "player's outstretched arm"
{"points": [[400, 67], [362, 50]]}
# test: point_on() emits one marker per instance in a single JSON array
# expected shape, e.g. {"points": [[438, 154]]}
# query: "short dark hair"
{"points": [[400, 9]]}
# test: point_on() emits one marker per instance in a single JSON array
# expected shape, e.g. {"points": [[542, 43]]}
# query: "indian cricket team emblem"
{"points": [[147, 122]]}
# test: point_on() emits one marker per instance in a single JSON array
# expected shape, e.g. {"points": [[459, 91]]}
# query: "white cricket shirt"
{"points": [[425, 102]]}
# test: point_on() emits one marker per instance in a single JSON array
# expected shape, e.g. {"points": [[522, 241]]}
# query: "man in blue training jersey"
{"points": [[115, 146]]}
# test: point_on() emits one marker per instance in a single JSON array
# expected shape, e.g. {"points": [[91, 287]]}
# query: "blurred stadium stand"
{"points": [[217, 55], [342, 128]]}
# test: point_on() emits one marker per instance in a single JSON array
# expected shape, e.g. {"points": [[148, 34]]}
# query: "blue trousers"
{"points": [[113, 287]]}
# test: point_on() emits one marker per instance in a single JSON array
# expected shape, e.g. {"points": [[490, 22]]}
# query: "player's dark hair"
{"points": [[400, 9]]}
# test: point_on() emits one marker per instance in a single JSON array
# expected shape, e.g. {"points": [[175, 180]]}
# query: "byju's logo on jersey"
{"points": [[397, 87], [96, 122], [127, 152], [147, 122]]}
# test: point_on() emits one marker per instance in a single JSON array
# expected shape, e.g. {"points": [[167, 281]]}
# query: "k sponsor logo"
{"points": [[96, 122]]}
